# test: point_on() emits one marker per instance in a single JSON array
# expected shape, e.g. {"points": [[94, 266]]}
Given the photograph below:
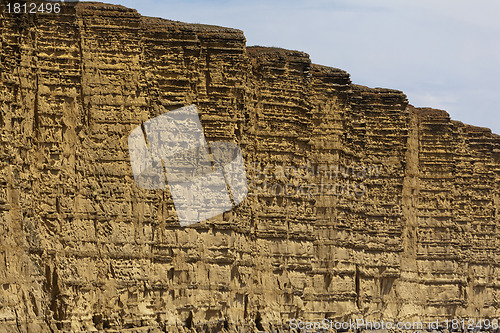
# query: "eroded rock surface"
{"points": [[360, 205]]}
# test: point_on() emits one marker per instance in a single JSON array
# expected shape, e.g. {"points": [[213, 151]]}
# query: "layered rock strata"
{"points": [[360, 205]]}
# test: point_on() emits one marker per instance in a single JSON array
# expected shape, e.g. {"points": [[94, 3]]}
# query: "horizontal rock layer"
{"points": [[360, 205]]}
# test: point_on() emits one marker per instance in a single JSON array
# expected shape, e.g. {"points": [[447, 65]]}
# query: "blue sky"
{"points": [[441, 53]]}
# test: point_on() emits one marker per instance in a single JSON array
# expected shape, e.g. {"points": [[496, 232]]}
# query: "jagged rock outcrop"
{"points": [[360, 205]]}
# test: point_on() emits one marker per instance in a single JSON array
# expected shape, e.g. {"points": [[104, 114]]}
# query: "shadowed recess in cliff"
{"points": [[359, 205]]}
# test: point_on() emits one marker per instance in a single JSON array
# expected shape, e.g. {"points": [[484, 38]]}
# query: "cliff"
{"points": [[360, 205]]}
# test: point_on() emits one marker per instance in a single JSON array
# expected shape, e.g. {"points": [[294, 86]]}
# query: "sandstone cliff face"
{"points": [[360, 205]]}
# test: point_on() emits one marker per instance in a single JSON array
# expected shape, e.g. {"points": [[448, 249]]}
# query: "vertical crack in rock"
{"points": [[360, 205]]}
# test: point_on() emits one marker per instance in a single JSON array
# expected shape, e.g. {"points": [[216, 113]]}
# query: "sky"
{"points": [[443, 54]]}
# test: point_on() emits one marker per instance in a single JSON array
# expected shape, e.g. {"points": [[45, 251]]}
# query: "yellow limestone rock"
{"points": [[360, 205]]}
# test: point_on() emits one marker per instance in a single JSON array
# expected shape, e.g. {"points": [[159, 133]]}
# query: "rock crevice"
{"points": [[360, 205]]}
